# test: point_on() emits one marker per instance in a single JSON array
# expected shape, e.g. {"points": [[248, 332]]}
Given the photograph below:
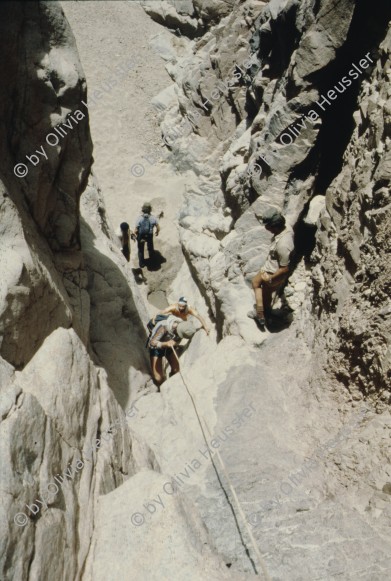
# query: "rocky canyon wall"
{"points": [[300, 416], [286, 116], [286, 104], [58, 287]]}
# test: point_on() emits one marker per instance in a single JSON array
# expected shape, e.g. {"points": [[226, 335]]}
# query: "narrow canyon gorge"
{"points": [[268, 455]]}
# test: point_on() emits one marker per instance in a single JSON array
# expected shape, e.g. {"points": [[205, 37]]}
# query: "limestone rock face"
{"points": [[289, 104], [46, 128], [188, 17], [44, 168], [60, 405], [64, 438], [97, 489], [354, 243], [286, 98], [175, 534], [28, 291]]}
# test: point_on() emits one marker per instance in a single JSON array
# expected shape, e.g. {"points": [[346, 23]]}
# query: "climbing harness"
{"points": [[233, 492]]}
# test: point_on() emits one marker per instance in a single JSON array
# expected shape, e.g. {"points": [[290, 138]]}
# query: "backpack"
{"points": [[150, 326], [144, 228]]}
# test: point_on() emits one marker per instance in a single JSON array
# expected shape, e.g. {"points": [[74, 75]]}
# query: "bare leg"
{"points": [[172, 360], [257, 287], [157, 370]]}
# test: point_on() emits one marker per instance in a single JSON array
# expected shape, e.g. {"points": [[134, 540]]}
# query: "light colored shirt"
{"points": [[280, 251], [147, 218], [160, 334]]}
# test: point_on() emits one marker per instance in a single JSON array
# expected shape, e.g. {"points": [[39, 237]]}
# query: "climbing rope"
{"points": [[233, 492]]}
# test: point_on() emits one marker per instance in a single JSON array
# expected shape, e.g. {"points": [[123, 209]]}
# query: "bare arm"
{"points": [[201, 320], [157, 229], [157, 342], [165, 311], [280, 273]]}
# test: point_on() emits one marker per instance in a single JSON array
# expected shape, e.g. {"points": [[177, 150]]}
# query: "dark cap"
{"points": [[147, 208], [124, 226], [273, 217]]}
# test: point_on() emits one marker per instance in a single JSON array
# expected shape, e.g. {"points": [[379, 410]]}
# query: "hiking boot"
{"points": [[260, 321]]}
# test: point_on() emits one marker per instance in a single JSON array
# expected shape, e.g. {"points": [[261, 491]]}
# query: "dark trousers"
{"points": [[126, 251], [147, 238]]}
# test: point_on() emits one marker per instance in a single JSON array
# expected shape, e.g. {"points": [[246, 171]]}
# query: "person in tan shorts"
{"points": [[182, 310], [275, 271]]}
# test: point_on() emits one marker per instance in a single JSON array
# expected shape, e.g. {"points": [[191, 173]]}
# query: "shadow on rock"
{"points": [[279, 320], [139, 276], [117, 334], [155, 263]]}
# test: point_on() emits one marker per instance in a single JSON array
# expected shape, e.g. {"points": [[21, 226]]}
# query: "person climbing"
{"points": [[124, 236], [182, 310], [144, 233], [164, 337], [275, 270]]}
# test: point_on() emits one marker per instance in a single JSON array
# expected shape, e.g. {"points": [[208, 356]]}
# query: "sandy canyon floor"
{"points": [[124, 123]]}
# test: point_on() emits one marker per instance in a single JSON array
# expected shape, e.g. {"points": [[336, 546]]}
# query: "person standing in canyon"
{"points": [[144, 232], [124, 236], [275, 271]]}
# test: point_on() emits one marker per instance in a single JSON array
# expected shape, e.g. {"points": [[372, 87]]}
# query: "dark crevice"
{"points": [[350, 265], [316, 6], [251, 109], [367, 30], [309, 166], [304, 238], [218, 321], [276, 41], [325, 160]]}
